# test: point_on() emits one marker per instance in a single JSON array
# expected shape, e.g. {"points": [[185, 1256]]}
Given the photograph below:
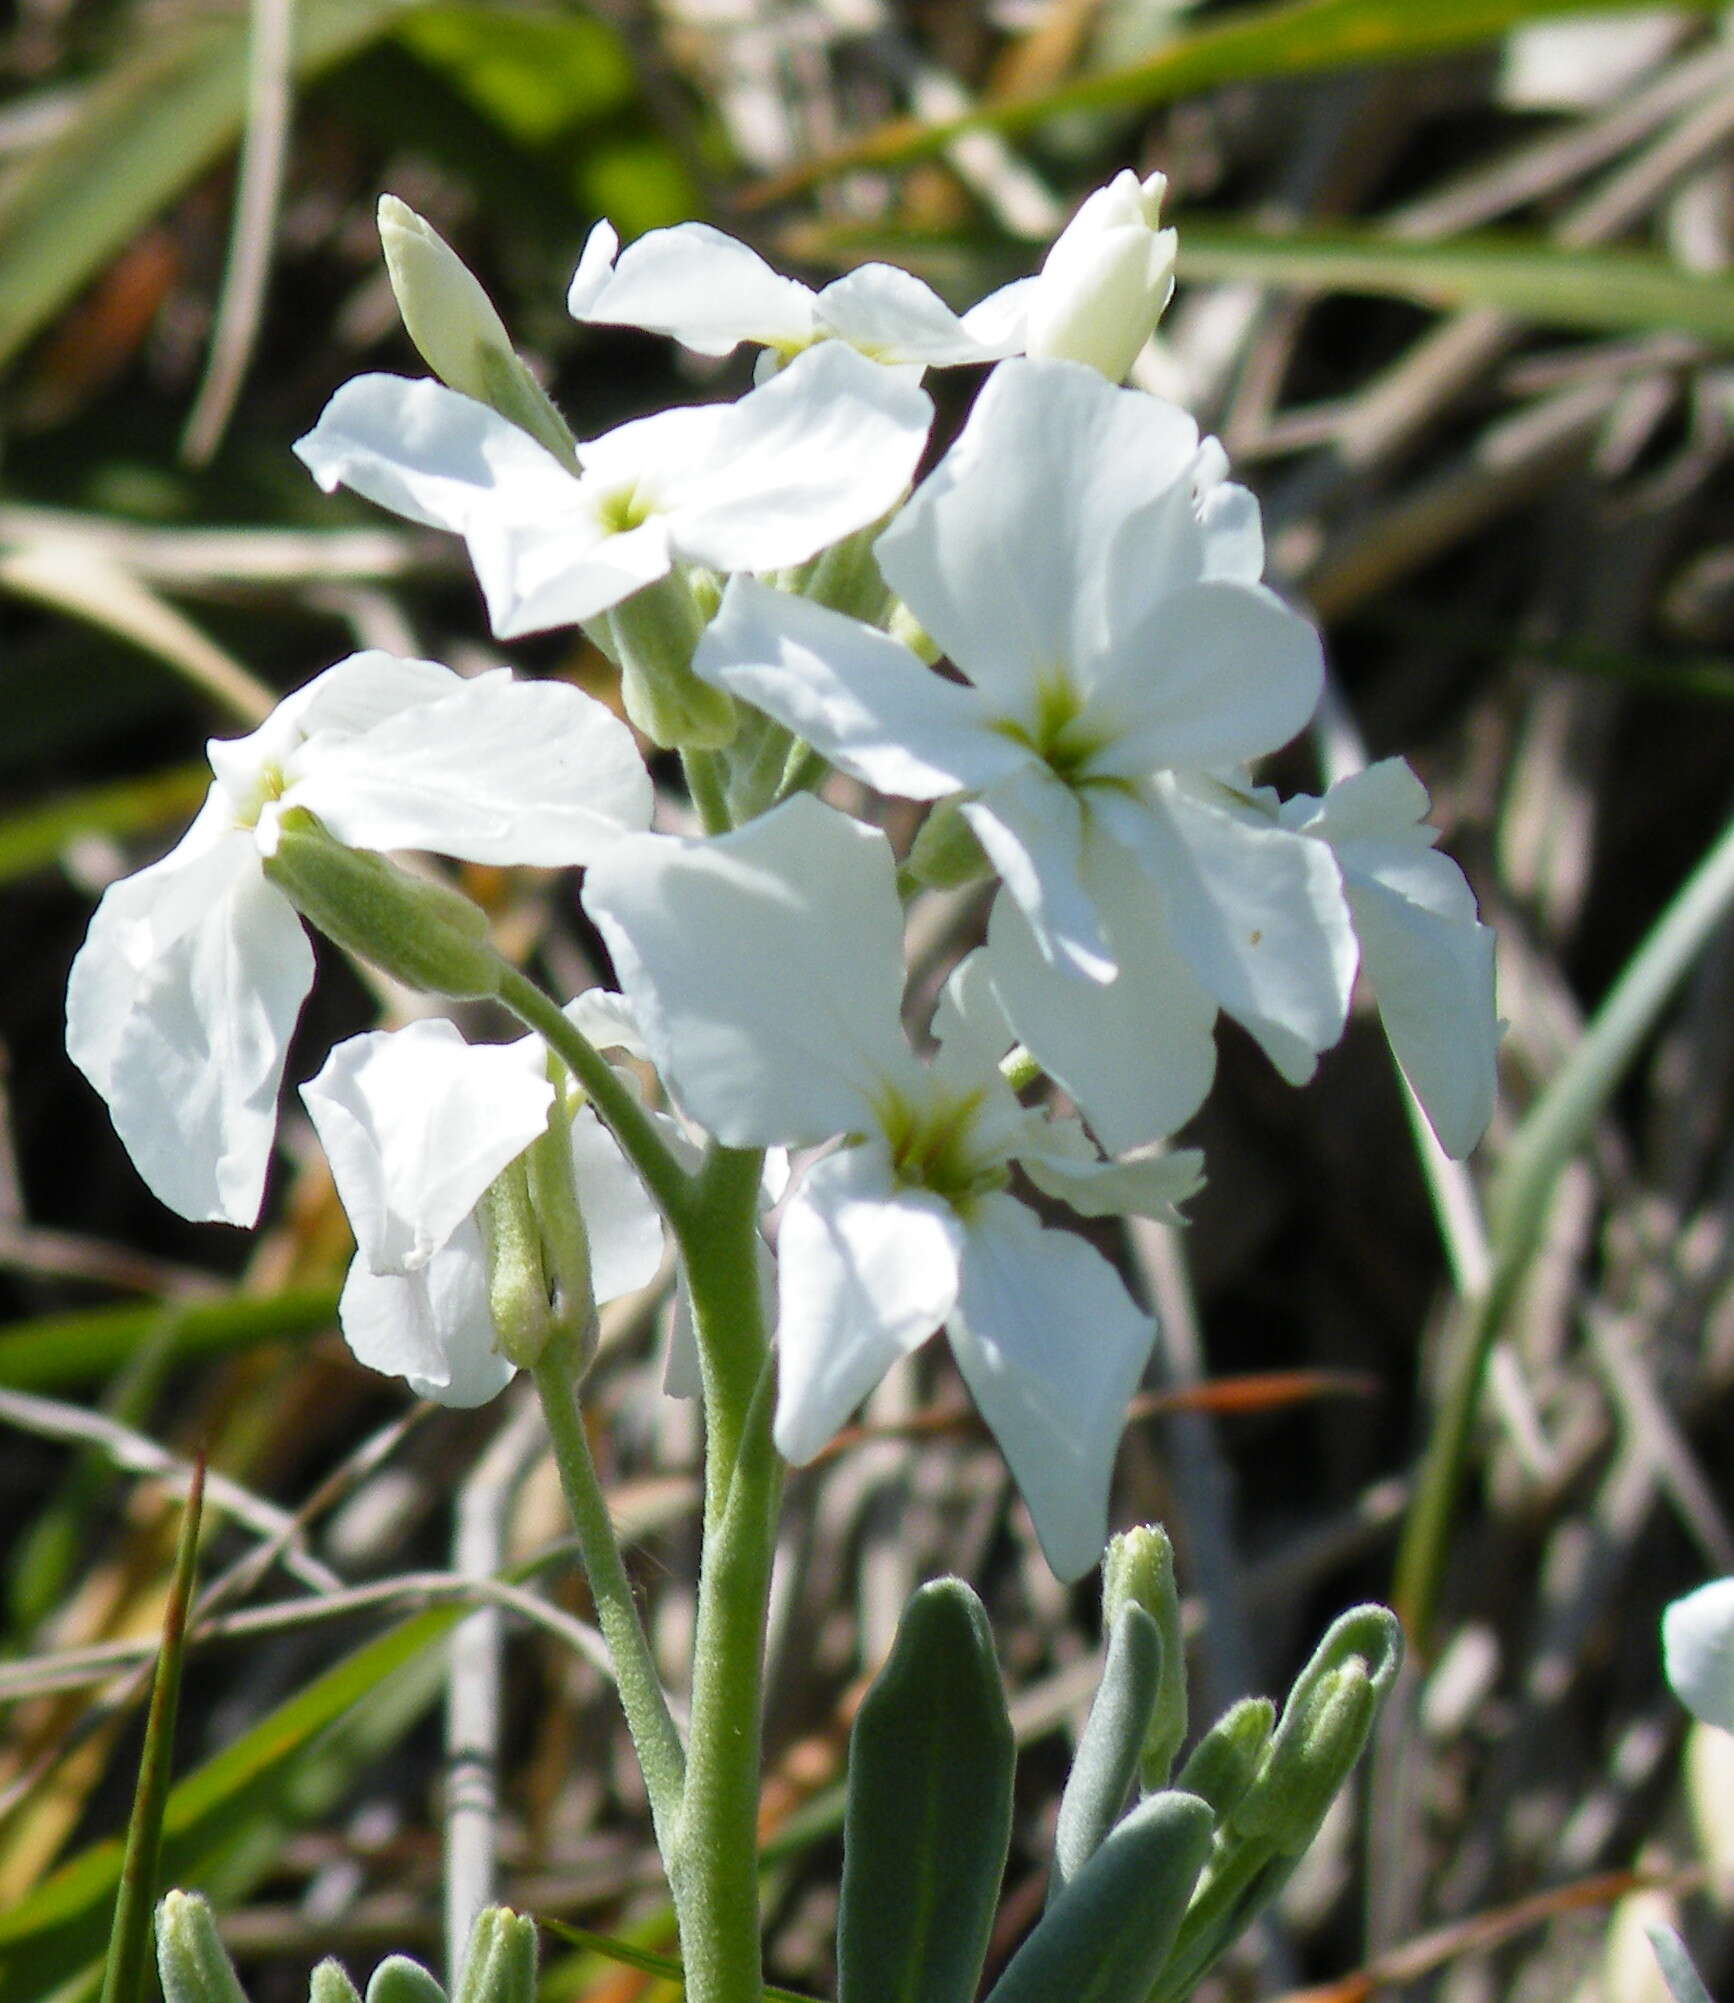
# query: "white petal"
{"points": [[622, 1223], [416, 1123], [1258, 912], [499, 771], [1013, 552], [765, 968], [890, 315], [608, 1020], [700, 287], [998, 322], [1036, 836], [1148, 1182], [1383, 803], [1052, 1349], [179, 1010], [1216, 674], [595, 269], [433, 1327], [867, 1271], [865, 701], [1229, 516], [1698, 1647], [1136, 1054], [824, 448]]}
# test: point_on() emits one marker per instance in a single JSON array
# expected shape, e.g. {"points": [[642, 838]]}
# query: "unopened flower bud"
{"points": [[425, 934], [454, 326], [1316, 1745], [1139, 1566], [1105, 282], [331, 1984], [517, 1282], [1221, 1766], [500, 1966], [400, 1980], [654, 633], [191, 1960]]}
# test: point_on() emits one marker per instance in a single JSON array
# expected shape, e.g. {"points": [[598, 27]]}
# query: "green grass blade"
{"points": [[157, 119], [1290, 38], [1533, 280], [35, 838], [1555, 1127], [129, 1939], [625, 1955], [63, 1351]]}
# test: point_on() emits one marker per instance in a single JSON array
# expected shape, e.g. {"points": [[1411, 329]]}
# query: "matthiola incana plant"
{"points": [[1060, 644]]}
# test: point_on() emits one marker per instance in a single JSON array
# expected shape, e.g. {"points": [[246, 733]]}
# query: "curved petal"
{"points": [[555, 570], [188, 1027], [891, 316], [1258, 912], [621, 1222], [416, 1123], [1229, 517], [1148, 1182], [595, 269], [703, 289], [862, 699], [1698, 1646], [822, 449], [867, 1272], [498, 771], [1137, 1054], [999, 321], [432, 1327], [1011, 551], [765, 968], [1036, 837], [1051, 1348]]}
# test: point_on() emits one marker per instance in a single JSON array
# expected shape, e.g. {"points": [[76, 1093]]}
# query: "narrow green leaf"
{"points": [[1105, 1938], [1290, 38], [129, 1937], [1112, 1743], [61, 1351], [162, 113], [1532, 279], [928, 1818], [38, 836], [664, 1966]]}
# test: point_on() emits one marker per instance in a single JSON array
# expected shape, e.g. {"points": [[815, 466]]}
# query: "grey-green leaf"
{"points": [[1108, 1753], [928, 1816], [1105, 1939]]}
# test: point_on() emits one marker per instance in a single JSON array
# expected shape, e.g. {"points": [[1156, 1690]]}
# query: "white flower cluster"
{"points": [[1092, 579]]}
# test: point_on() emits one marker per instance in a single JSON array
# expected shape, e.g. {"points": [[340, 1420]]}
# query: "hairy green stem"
{"points": [[703, 773]]}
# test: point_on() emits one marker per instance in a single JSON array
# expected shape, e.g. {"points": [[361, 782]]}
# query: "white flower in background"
{"points": [[822, 450], [185, 992], [1427, 957], [765, 968], [710, 293], [1079, 558], [1102, 286], [416, 1124], [1698, 1650]]}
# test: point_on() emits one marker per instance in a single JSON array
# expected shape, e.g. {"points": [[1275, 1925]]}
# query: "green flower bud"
{"points": [[453, 324], [400, 1980], [330, 1984], [1315, 1747], [654, 633], [1224, 1761], [425, 934], [946, 853], [846, 576], [517, 1281], [191, 1960], [1139, 1566], [500, 1966]]}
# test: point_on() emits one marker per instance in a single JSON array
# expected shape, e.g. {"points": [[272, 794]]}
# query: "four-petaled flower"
{"points": [[185, 992]]}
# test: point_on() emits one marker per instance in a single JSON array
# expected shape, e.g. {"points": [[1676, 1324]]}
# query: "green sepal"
{"points": [[946, 852], [331, 1984], [400, 1980], [192, 1962], [1107, 1936], [500, 1962], [425, 934], [927, 1819], [1222, 1764], [1139, 1566], [517, 1282], [1108, 1752], [845, 576], [654, 633]]}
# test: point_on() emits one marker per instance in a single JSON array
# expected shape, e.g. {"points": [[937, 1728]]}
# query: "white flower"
{"points": [[1428, 959], [416, 1124], [822, 450], [1698, 1648], [765, 968], [184, 994], [1102, 286], [710, 292], [1081, 561]]}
